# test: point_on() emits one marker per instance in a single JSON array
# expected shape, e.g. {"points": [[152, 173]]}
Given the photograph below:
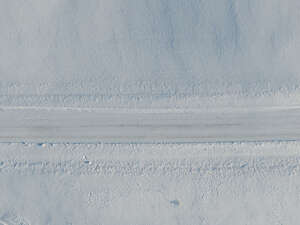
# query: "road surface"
{"points": [[109, 126]]}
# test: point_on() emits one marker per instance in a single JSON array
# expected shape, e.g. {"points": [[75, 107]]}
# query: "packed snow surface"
{"points": [[155, 126], [140, 53]]}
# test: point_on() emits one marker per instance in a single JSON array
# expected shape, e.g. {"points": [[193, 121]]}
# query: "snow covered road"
{"points": [[138, 126], [97, 167], [139, 112]]}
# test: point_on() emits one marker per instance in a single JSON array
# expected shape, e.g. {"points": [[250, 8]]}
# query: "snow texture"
{"points": [[158, 53], [234, 183], [159, 57]]}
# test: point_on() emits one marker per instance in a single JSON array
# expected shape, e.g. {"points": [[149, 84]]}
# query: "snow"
{"points": [[146, 112], [38, 125], [233, 183], [145, 54]]}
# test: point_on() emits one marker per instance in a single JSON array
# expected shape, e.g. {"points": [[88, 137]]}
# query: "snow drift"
{"points": [[149, 53]]}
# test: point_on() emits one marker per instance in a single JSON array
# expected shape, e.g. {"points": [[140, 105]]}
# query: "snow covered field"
{"points": [[233, 183], [149, 112], [139, 53]]}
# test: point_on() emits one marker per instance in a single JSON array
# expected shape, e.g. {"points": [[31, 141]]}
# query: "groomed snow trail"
{"points": [[134, 126]]}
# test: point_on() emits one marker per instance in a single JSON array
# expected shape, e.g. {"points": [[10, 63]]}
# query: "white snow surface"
{"points": [[167, 76], [149, 54], [211, 184]]}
